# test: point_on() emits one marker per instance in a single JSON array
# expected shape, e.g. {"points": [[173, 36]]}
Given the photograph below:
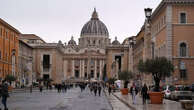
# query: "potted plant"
{"points": [[159, 67], [125, 76], [10, 78], [111, 80]]}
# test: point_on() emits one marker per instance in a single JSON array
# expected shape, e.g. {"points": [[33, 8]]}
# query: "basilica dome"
{"points": [[94, 26]]}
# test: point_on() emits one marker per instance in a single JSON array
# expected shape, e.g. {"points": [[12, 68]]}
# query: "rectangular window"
{"points": [[182, 17], [6, 35], [92, 73], [46, 62], [119, 60], [183, 74]]}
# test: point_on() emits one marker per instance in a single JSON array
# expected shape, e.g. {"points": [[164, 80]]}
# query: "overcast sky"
{"points": [[55, 20]]}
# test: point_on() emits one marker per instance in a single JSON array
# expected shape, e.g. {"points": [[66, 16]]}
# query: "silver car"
{"points": [[181, 92]]}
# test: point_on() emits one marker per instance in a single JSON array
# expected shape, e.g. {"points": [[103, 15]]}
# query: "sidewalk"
{"points": [[167, 104], [115, 102]]}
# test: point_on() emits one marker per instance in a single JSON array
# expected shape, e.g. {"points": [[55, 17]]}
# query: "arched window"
{"points": [[183, 49]]}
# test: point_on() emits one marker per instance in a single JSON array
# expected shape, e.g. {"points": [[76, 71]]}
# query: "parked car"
{"points": [[192, 87], [181, 92], [167, 90]]}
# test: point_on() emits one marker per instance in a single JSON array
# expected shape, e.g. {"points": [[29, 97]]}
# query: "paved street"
{"points": [[51, 100]]}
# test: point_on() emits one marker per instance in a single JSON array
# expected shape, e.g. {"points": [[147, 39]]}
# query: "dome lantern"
{"points": [[94, 15]]}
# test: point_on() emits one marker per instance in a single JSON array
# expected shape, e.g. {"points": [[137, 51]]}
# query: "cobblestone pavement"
{"points": [[116, 103], [51, 100]]}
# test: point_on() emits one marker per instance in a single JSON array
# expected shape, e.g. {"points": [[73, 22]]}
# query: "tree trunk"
{"points": [[126, 84], [10, 83], [157, 84]]}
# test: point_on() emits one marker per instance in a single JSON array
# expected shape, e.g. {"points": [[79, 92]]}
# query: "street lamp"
{"points": [[148, 13]]}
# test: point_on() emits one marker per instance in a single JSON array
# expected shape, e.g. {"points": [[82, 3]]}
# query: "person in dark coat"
{"points": [[95, 89], [30, 88], [91, 88], [144, 94], [99, 90], [4, 94], [40, 88], [109, 89], [59, 88]]}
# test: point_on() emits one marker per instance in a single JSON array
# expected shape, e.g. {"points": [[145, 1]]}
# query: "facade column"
{"points": [[95, 67], [83, 64], [80, 68], [100, 74], [88, 67], [73, 71], [102, 66]]}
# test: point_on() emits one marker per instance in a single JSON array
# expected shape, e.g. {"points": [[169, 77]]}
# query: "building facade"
{"points": [[8, 49], [25, 57], [169, 34]]}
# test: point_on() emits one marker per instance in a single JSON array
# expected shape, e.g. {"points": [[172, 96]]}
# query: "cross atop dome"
{"points": [[94, 15]]}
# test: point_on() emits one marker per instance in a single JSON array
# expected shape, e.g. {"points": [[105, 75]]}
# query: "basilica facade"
{"points": [[94, 57]]}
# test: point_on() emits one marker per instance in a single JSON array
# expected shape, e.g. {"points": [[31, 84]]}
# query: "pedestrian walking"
{"points": [[95, 89], [99, 89], [91, 88], [59, 88], [30, 88], [144, 93], [4, 94], [133, 91], [40, 87], [63, 87], [109, 89]]}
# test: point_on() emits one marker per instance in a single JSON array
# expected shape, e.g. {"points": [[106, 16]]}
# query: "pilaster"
{"points": [[169, 32]]}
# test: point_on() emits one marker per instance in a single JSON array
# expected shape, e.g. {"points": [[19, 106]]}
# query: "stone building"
{"points": [[48, 61], [25, 74], [117, 58], [172, 36], [31, 39], [8, 49], [169, 33]]}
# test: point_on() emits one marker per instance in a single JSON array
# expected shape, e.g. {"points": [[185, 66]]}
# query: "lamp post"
{"points": [[148, 13], [147, 38]]}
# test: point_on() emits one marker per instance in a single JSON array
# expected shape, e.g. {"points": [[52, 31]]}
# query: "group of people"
{"points": [[95, 87], [82, 85], [61, 87], [134, 91]]}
